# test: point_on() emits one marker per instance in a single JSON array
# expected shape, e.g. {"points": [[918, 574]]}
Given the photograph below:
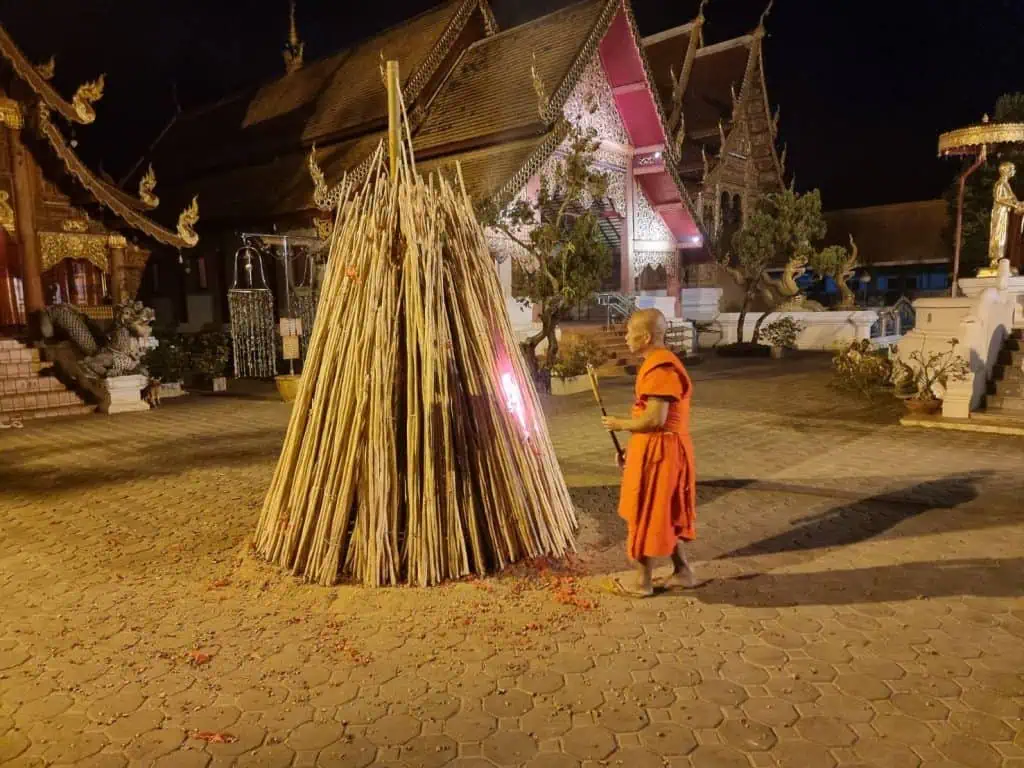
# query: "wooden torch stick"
{"points": [[394, 116], [592, 375]]}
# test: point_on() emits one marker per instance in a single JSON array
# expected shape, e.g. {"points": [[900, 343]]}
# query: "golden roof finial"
{"points": [[187, 221], [759, 32], [700, 12], [294, 48]]}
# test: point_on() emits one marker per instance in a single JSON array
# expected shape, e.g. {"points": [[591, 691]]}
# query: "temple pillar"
{"points": [[25, 224], [674, 287], [117, 261]]}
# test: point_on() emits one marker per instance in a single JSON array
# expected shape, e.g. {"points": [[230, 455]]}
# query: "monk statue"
{"points": [[658, 500], [1003, 202]]}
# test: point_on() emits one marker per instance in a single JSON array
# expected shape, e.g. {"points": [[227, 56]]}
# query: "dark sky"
{"points": [[865, 87]]}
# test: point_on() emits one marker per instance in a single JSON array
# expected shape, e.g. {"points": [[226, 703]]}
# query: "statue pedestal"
{"points": [[123, 394]]}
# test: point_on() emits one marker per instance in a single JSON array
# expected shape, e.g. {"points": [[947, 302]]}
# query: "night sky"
{"points": [[865, 87]]}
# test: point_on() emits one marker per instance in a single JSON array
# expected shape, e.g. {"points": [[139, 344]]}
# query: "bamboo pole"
{"points": [[394, 115]]}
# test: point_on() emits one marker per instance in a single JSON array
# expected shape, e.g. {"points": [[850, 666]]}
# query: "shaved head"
{"points": [[651, 321]]}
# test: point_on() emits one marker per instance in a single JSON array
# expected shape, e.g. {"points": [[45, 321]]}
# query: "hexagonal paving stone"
{"points": [[796, 691], [71, 749], [863, 686], [636, 757], [285, 718], [981, 726], [509, 703], [350, 751], [810, 671], [140, 721], [546, 722], [333, 695], [13, 744], [551, 760], [474, 686], [903, 729], [579, 697], [1007, 683], [509, 748], [747, 735], [829, 652], [470, 726], [741, 673], [770, 711], [149, 746], [183, 759], [589, 742], [802, 754], [886, 753], [269, 756], [314, 736], [428, 752], [569, 662], [675, 675], [651, 695], [989, 701], [719, 757], [929, 685], [362, 711], [696, 714], [883, 669], [669, 739], [541, 682], [392, 730], [620, 717], [969, 752], [921, 707], [722, 692], [847, 709], [826, 730], [435, 707], [765, 655], [261, 698], [783, 639]]}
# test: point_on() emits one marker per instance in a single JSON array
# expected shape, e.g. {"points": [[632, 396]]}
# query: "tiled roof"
{"points": [[665, 53], [491, 90], [328, 97]]}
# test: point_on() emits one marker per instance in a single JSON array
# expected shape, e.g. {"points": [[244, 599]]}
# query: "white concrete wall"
{"points": [[822, 330], [701, 304]]}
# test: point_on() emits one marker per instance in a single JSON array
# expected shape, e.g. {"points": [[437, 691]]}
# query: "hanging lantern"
{"points": [[251, 304], [305, 297]]}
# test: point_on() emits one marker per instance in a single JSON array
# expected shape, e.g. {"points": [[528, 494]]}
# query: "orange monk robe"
{"points": [[659, 483]]}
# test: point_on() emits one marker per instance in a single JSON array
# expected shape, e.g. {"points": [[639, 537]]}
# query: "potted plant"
{"points": [[863, 370], [569, 371], [210, 355], [781, 335], [921, 379]]}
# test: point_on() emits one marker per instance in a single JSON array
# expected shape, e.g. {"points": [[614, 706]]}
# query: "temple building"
{"points": [[67, 235], [270, 158]]}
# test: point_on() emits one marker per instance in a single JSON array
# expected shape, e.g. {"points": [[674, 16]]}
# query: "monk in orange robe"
{"points": [[659, 484]]}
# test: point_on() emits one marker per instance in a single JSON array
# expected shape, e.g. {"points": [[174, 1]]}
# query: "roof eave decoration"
{"points": [[146, 186], [676, 122], [415, 85], [10, 114], [507, 191], [490, 22], [79, 110], [185, 237]]}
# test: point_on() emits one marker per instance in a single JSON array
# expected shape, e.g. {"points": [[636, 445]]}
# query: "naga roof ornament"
{"points": [[187, 221], [146, 186], [87, 95], [294, 48], [47, 70]]}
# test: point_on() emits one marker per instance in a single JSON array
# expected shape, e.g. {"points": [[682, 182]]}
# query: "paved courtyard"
{"points": [[865, 605]]}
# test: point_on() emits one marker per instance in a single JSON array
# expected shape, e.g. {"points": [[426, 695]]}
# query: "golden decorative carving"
{"points": [[10, 114], [47, 70], [146, 186], [117, 241], [294, 48], [6, 212], [543, 100], [1003, 202], [54, 247], [75, 225], [186, 222], [973, 137], [324, 227], [87, 95]]}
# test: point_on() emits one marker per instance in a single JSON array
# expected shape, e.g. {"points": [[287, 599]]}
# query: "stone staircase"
{"points": [[1006, 390], [612, 340], [28, 388]]}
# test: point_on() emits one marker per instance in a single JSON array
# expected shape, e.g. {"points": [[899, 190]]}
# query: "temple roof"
{"points": [[897, 234], [326, 100], [38, 116]]}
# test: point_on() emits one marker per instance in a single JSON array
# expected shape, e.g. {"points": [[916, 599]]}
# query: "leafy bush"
{"points": [[575, 356], [782, 332], [861, 369], [210, 353], [168, 361]]}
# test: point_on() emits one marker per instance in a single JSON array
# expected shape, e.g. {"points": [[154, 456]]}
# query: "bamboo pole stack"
{"points": [[417, 450]]}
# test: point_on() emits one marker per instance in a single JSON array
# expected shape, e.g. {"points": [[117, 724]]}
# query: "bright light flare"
{"points": [[514, 400]]}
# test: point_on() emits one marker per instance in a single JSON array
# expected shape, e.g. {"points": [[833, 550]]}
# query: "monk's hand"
{"points": [[620, 460], [611, 423]]}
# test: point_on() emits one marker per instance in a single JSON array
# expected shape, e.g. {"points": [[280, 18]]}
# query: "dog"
{"points": [[151, 394]]}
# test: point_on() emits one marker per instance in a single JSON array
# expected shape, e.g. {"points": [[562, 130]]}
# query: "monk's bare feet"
{"points": [[634, 588], [682, 578]]}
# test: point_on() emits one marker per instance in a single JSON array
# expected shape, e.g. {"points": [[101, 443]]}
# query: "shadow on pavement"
{"points": [[906, 581]]}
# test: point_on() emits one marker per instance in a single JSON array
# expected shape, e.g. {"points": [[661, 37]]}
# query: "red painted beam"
{"points": [[619, 90]]}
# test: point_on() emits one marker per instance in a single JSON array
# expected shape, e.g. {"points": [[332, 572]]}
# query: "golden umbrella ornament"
{"points": [[974, 140]]}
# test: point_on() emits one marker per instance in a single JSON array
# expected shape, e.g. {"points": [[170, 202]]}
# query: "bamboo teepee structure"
{"points": [[417, 450]]}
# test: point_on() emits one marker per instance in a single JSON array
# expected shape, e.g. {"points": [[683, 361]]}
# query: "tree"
{"points": [[781, 228], [978, 190], [564, 255], [839, 264]]}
